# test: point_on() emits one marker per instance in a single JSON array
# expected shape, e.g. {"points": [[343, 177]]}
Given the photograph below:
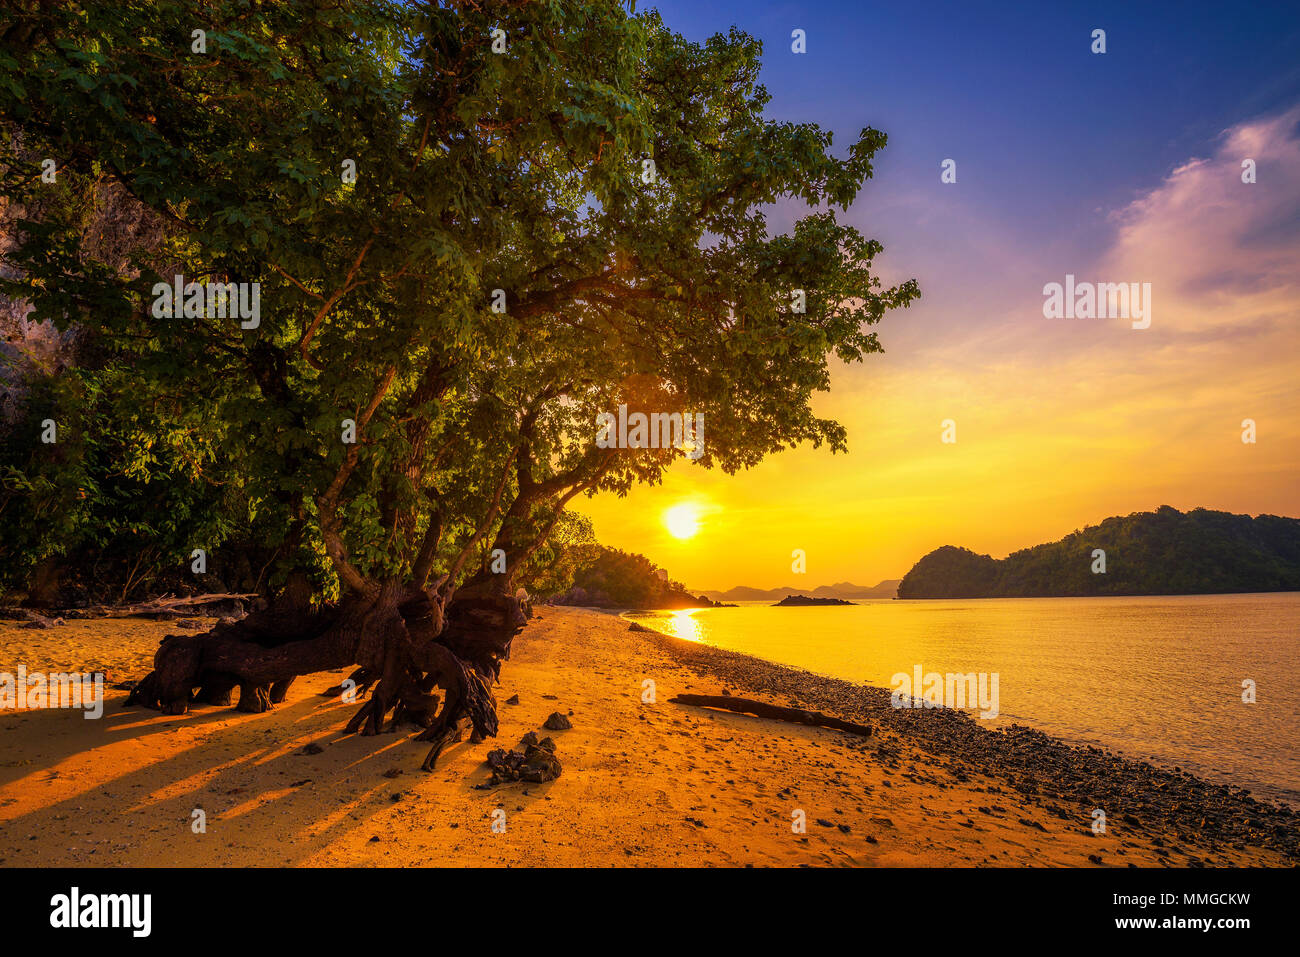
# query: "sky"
{"points": [[1123, 166]]}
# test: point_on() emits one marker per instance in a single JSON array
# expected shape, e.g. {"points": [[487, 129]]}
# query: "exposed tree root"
{"points": [[406, 648], [445, 736], [361, 680]]}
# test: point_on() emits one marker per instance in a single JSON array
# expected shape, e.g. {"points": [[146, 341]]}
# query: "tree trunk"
{"points": [[44, 589]]}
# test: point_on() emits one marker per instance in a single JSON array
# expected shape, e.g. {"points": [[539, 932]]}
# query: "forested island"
{"points": [[1165, 552], [611, 578], [804, 601]]}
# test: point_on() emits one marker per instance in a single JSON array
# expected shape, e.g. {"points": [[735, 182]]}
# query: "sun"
{"points": [[682, 521]]}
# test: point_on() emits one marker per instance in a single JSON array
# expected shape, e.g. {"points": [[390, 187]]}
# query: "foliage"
{"points": [[553, 567], [476, 170], [1165, 552], [617, 579]]}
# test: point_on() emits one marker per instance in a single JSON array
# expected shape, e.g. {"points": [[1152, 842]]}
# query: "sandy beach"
{"points": [[643, 784]]}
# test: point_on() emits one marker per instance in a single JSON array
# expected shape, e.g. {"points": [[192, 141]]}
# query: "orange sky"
{"points": [[1060, 423]]}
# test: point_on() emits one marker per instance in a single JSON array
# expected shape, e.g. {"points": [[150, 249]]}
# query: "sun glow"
{"points": [[682, 521], [683, 625]]}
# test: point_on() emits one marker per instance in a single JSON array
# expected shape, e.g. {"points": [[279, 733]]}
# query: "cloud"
{"points": [[1220, 253]]}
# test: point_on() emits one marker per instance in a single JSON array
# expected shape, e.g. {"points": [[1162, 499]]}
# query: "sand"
{"points": [[644, 784]]}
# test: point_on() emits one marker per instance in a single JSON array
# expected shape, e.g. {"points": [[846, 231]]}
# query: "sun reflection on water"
{"points": [[682, 624]]}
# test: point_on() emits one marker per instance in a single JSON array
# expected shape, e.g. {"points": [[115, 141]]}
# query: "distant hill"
{"points": [[886, 589], [1165, 552]]}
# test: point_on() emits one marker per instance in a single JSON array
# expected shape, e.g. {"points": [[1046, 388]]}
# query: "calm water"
{"points": [[1158, 679]]}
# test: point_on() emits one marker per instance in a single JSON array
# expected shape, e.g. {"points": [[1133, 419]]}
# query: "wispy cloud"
{"points": [[1221, 254]]}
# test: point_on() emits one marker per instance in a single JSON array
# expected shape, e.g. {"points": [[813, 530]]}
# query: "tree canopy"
{"points": [[473, 228], [526, 171]]}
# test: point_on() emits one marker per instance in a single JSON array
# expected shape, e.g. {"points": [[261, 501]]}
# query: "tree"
{"points": [[611, 578], [556, 209], [552, 568]]}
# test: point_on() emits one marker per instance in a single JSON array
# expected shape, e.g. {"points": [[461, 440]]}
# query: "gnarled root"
{"points": [[445, 736], [358, 683], [254, 698], [430, 670], [280, 689], [216, 689], [207, 668]]}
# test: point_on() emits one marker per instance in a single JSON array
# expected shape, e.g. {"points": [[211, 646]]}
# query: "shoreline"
{"points": [[1260, 766], [643, 783], [1081, 773]]}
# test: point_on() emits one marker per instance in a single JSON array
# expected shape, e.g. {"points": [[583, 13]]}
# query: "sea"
{"points": [[1206, 683]]}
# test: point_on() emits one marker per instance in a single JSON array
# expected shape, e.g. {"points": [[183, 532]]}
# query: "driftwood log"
{"points": [[762, 709], [156, 606]]}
